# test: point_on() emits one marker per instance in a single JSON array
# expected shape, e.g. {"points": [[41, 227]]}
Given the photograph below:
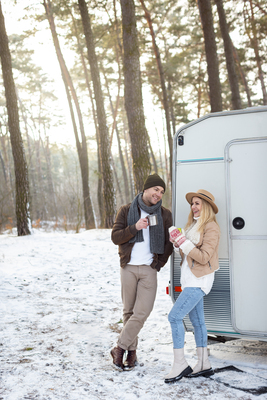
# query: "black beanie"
{"points": [[153, 180]]}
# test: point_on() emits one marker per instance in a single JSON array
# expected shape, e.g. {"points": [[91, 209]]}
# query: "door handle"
{"points": [[238, 223]]}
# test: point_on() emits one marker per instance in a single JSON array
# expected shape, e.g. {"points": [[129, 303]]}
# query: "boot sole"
{"points": [[206, 373], [130, 368], [185, 372], [117, 367]]}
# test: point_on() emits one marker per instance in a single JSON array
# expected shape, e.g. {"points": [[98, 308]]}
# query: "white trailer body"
{"points": [[226, 154]]}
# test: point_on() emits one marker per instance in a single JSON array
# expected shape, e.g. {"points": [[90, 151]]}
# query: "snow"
{"points": [[60, 313]]}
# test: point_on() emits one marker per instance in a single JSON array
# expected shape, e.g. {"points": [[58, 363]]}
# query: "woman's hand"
{"points": [[180, 240], [174, 234], [176, 237]]}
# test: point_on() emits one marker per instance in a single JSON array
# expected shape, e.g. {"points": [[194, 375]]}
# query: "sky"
{"points": [[45, 56], [60, 315]]}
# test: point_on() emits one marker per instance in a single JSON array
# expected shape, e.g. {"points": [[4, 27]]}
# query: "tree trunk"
{"points": [[211, 54], [243, 76], [128, 157], [255, 46], [108, 188], [3, 167], [114, 113], [88, 85], [168, 175], [50, 184], [170, 100], [21, 172], [41, 191], [162, 80], [230, 61], [199, 86], [81, 147], [33, 189], [117, 181], [133, 96], [3, 139], [154, 161]]}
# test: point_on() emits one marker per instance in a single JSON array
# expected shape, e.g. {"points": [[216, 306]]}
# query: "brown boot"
{"points": [[130, 361], [117, 355]]}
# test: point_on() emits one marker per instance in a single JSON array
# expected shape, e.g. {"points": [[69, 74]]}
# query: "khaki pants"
{"points": [[138, 292]]}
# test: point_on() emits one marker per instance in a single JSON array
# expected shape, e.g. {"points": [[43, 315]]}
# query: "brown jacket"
{"points": [[122, 233], [204, 259]]}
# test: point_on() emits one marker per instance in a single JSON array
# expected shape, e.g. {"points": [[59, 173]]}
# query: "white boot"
{"points": [[203, 367], [180, 367]]}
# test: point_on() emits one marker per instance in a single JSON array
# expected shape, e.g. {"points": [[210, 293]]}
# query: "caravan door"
{"points": [[246, 168]]}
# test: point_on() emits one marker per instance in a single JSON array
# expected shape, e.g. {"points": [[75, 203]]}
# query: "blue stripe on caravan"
{"points": [[201, 159]]}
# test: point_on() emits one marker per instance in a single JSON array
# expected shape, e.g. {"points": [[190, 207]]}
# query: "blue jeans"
{"points": [[190, 301]]}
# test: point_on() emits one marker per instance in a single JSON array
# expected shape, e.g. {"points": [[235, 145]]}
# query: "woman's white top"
{"points": [[141, 253], [188, 279]]}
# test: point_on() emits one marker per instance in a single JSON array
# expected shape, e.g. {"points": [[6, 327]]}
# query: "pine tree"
{"points": [[107, 176], [21, 172], [133, 95]]}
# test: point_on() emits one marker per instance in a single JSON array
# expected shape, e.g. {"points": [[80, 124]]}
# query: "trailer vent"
{"points": [[217, 304]]}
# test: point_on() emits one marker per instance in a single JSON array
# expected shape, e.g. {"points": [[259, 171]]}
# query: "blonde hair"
{"points": [[207, 215]]}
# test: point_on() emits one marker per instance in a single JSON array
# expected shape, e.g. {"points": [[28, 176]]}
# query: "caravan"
{"points": [[226, 154]]}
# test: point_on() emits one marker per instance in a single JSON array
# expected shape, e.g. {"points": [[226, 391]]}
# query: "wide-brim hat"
{"points": [[205, 195]]}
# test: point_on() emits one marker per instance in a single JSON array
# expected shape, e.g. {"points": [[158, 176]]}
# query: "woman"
{"points": [[198, 246]]}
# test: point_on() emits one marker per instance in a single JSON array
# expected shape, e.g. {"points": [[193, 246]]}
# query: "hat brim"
{"points": [[190, 195]]}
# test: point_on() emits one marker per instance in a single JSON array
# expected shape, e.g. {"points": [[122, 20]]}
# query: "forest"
{"points": [[132, 72]]}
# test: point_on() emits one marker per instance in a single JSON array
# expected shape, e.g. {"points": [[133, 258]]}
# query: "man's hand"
{"points": [[141, 224]]}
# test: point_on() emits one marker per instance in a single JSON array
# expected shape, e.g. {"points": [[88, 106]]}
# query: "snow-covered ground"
{"points": [[60, 314]]}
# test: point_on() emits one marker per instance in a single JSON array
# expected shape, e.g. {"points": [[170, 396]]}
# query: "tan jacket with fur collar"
{"points": [[203, 257]]}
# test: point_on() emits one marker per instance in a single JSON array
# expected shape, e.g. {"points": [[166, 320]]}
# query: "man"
{"points": [[143, 251]]}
